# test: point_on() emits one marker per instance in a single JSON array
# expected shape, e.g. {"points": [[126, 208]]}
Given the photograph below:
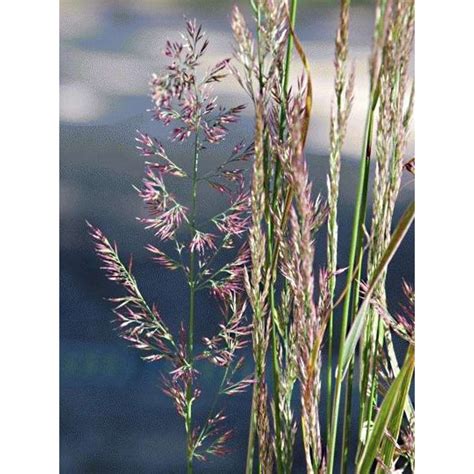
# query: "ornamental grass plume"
{"points": [[257, 286], [395, 111], [278, 275], [308, 319], [184, 101], [261, 56], [286, 225]]}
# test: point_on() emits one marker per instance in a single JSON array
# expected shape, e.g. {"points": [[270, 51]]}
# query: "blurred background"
{"points": [[114, 418]]}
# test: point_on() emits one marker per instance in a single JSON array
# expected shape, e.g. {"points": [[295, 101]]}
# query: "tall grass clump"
{"points": [[317, 325]]}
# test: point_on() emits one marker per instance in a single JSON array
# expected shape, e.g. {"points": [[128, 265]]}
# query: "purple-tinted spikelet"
{"points": [[202, 241], [165, 213], [229, 281], [163, 259], [233, 336], [235, 220], [212, 439]]}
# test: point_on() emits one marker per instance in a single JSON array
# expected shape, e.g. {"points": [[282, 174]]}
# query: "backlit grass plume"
{"points": [[183, 100]]}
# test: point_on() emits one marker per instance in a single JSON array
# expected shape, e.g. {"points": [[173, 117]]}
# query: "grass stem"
{"points": [[192, 305], [355, 250]]}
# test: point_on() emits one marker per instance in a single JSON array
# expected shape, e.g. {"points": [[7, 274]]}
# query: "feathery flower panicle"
{"points": [[340, 112], [394, 120], [395, 111], [244, 49], [309, 320], [183, 99], [257, 280], [261, 60]]}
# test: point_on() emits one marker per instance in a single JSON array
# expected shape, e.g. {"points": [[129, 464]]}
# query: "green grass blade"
{"points": [[389, 417]]}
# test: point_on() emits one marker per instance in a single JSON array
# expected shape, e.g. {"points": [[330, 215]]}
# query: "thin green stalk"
{"points": [[192, 304], [355, 249], [329, 374], [356, 292]]}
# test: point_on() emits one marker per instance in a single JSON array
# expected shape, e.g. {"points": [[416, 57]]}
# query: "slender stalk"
{"points": [[355, 249], [356, 284], [205, 428], [192, 305]]}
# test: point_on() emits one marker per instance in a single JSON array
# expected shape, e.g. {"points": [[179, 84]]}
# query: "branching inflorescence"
{"points": [[184, 101]]}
